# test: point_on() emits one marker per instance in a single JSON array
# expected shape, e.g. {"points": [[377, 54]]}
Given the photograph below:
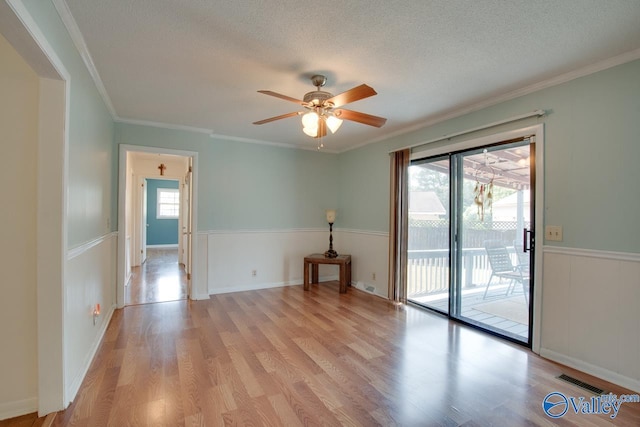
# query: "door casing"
{"points": [[197, 289]]}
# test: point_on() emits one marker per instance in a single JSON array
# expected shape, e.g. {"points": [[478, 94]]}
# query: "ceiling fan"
{"points": [[323, 108]]}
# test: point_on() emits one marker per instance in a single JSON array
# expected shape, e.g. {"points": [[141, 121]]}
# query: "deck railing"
{"points": [[428, 270]]}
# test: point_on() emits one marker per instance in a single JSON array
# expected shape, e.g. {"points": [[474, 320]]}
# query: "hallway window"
{"points": [[168, 203]]}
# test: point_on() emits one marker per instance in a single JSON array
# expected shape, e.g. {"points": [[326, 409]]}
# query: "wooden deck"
{"points": [[507, 314]]}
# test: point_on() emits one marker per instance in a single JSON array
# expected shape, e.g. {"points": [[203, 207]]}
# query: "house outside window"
{"points": [[168, 203]]}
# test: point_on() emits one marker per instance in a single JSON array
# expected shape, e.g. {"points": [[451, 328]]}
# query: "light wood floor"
{"points": [[160, 278], [29, 420], [288, 357]]}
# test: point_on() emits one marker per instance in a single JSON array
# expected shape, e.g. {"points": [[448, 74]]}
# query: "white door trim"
{"points": [[198, 290], [53, 145]]}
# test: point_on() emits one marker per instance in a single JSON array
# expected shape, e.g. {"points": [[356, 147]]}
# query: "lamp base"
{"points": [[331, 254]]}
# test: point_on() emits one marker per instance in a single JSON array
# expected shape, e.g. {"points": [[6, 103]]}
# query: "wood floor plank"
{"points": [[27, 420], [345, 405], [286, 416], [285, 356], [246, 373], [367, 396]]}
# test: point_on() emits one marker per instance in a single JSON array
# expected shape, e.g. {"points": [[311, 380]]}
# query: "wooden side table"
{"points": [[344, 261]]}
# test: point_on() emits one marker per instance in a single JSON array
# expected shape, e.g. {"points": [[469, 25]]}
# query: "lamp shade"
{"points": [[312, 132], [310, 120], [333, 123], [331, 215]]}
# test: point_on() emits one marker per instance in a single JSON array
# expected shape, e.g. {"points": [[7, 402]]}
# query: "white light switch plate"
{"points": [[553, 233]]}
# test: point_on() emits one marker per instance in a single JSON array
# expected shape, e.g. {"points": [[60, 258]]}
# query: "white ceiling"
{"points": [[200, 63]]}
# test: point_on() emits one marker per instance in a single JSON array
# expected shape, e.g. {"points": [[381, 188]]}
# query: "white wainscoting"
{"points": [[370, 255], [90, 279], [276, 256], [591, 313]]}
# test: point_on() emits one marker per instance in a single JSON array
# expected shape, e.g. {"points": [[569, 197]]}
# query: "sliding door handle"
{"points": [[526, 235]]}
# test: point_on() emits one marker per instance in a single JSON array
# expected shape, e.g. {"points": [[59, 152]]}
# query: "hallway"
{"points": [[159, 279]]}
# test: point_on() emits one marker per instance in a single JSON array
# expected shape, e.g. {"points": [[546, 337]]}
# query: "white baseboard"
{"points": [[257, 286], [73, 388], [171, 246], [596, 371], [18, 408]]}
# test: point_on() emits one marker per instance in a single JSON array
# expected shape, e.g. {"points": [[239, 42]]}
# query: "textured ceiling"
{"points": [[200, 63]]}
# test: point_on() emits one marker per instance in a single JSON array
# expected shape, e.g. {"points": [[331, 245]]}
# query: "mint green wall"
{"points": [[246, 186], [590, 157], [592, 151], [91, 131], [364, 188]]}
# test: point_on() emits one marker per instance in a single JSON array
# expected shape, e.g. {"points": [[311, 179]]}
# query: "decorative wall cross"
{"points": [[162, 167]]}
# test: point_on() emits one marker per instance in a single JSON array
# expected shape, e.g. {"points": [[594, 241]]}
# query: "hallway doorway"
{"points": [[156, 221]]}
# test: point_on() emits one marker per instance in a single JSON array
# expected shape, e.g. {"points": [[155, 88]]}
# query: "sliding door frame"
{"points": [[536, 133]]}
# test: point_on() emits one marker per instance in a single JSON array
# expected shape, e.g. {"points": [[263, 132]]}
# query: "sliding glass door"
{"points": [[470, 217], [428, 241]]}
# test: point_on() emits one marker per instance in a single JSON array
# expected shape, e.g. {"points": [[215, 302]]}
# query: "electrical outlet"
{"points": [[254, 273], [553, 233], [96, 313]]}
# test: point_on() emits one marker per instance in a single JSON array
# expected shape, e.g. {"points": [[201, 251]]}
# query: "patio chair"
{"points": [[503, 268], [522, 257]]}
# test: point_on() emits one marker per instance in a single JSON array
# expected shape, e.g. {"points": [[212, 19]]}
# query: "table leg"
{"points": [[348, 274], [306, 276], [343, 278], [314, 273]]}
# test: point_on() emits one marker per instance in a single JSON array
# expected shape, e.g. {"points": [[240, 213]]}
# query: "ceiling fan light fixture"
{"points": [[310, 120], [322, 105], [333, 123], [311, 131]]}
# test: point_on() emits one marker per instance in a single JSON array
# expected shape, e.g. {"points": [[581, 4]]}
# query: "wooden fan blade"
{"points": [[272, 119], [352, 95], [355, 116], [281, 96]]}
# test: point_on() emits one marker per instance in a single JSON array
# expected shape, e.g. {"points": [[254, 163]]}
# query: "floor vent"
{"points": [[593, 389]]}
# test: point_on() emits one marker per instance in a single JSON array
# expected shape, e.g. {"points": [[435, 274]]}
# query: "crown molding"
{"points": [[535, 87], [163, 125], [273, 144], [78, 40]]}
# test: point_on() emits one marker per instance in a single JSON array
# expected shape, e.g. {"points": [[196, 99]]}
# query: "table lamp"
{"points": [[331, 217]]}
